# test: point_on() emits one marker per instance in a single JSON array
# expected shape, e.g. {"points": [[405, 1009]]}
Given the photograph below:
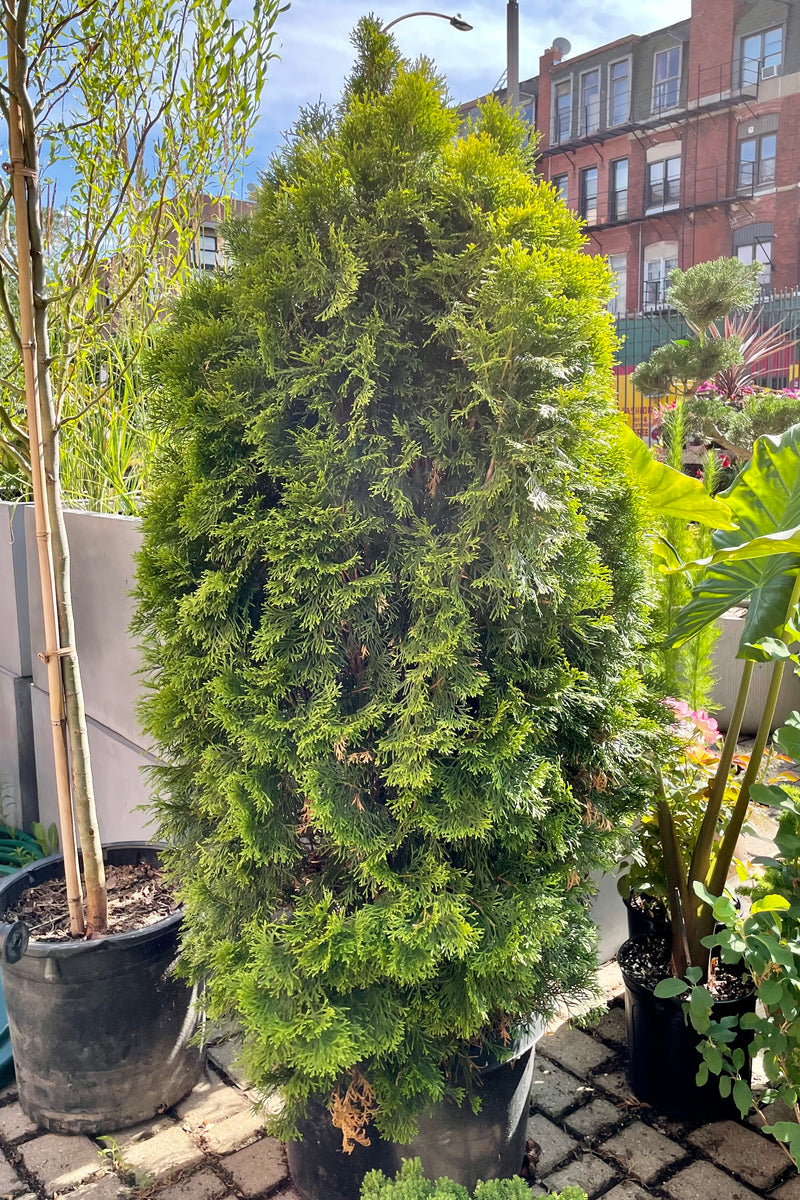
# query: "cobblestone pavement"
{"points": [[585, 1129]]}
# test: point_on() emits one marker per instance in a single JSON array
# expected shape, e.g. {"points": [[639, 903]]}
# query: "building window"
{"points": [[618, 195], [759, 251], [762, 55], [666, 79], [757, 159], [590, 102], [619, 269], [528, 111], [657, 270], [562, 121], [207, 248], [619, 92], [561, 184], [588, 207], [663, 183]]}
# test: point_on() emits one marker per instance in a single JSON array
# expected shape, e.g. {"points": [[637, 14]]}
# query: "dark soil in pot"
{"points": [[99, 1029], [452, 1141], [662, 1045]]}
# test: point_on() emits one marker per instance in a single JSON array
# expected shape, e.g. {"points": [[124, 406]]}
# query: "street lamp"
{"points": [[456, 22]]}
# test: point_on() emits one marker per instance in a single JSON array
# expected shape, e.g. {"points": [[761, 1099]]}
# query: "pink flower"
{"points": [[706, 726], [679, 707], [724, 460]]}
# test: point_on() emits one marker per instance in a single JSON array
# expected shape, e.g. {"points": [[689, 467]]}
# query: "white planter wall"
{"points": [[728, 671], [18, 799]]}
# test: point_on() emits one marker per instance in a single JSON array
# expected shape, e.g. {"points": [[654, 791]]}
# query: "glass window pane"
{"points": [[769, 145], [747, 150], [763, 252], [773, 41], [745, 254], [751, 47], [673, 168]]}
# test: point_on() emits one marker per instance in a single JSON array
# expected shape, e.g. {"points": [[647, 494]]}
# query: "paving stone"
{"points": [[107, 1187], [14, 1124], [576, 1051], [10, 1182], [166, 1152], [630, 1191], [121, 1139], [61, 1162], [554, 1091], [615, 1082], [211, 1101], [643, 1152], [587, 1172], [9, 1092], [225, 1055], [611, 1028], [232, 1133], [610, 981], [593, 1118], [701, 1181], [554, 1145], [257, 1167], [789, 1191], [756, 1158], [204, 1185]]}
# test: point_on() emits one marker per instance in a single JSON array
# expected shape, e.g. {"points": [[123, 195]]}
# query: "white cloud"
{"points": [[315, 52]]}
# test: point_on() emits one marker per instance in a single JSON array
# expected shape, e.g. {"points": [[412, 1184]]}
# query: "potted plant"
{"points": [[99, 1024], [759, 560], [762, 937], [392, 581]]}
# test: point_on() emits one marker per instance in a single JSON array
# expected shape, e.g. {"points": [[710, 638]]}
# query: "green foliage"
{"points": [[702, 294], [410, 1184], [391, 585], [766, 942], [736, 427], [709, 291]]}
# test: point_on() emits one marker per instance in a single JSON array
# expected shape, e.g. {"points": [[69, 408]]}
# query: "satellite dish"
{"points": [[563, 45]]}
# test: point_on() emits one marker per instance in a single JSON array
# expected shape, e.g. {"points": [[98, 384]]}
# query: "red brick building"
{"points": [[680, 145]]}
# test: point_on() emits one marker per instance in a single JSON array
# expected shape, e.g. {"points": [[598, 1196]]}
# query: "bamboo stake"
{"points": [[53, 649]]}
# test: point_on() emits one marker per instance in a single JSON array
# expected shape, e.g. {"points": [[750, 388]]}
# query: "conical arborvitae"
{"points": [[391, 590]]}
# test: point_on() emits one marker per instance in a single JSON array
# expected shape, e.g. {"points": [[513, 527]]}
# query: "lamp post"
{"points": [[512, 54], [456, 22]]}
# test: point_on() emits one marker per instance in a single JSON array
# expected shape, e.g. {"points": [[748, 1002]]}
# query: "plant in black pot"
{"points": [[98, 1023], [758, 560], [393, 583]]}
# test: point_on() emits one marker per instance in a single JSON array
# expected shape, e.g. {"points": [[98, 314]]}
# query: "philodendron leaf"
{"points": [[784, 540], [665, 989], [769, 904], [670, 492], [788, 737], [764, 499]]}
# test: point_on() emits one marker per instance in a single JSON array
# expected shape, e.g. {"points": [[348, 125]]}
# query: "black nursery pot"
{"points": [[452, 1140], [663, 1054], [99, 1029], [640, 921]]}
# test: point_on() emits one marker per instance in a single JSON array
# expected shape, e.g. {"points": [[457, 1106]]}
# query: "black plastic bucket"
{"points": [[452, 1140], [663, 1053], [100, 1029], [641, 922]]}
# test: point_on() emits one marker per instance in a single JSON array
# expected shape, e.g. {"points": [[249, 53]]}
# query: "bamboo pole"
{"points": [[53, 650]]}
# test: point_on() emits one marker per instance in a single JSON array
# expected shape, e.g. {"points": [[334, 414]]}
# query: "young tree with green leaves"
{"points": [[141, 106], [392, 588]]}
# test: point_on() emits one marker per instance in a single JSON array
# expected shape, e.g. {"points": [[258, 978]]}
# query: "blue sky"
{"points": [[315, 52]]}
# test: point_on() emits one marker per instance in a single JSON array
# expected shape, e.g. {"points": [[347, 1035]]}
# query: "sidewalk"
{"points": [[586, 1129]]}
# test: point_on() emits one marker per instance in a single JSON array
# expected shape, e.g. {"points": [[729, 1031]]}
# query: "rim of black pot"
{"points": [[130, 937], [637, 985]]}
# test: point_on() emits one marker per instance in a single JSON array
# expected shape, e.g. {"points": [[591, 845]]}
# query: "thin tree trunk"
{"points": [[61, 644]]}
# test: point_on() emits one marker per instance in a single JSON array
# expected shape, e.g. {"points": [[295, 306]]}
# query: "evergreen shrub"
{"points": [[410, 1184], [391, 586]]}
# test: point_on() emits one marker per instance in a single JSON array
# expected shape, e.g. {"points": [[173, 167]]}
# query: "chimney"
{"points": [[551, 58]]}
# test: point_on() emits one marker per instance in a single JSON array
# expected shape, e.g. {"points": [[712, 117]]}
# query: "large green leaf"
{"points": [[764, 499], [670, 492], [785, 540]]}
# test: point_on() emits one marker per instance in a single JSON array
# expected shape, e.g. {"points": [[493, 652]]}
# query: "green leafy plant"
{"points": [[46, 839], [392, 589], [734, 427], [764, 940], [410, 1184], [759, 561]]}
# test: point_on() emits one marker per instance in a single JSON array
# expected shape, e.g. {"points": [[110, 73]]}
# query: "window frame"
{"points": [[662, 281], [757, 183], [654, 109], [583, 129], [762, 34], [614, 191], [556, 140], [755, 245], [612, 124], [562, 193], [614, 307], [666, 205], [208, 255], [583, 208]]}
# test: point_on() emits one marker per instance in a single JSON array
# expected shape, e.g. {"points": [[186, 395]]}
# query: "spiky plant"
{"points": [[391, 584]]}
